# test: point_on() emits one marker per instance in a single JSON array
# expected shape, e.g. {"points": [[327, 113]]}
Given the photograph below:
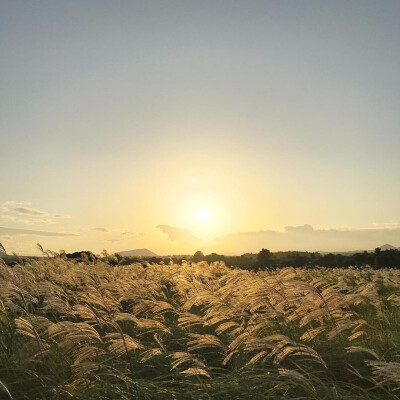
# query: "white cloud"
{"points": [[29, 211], [9, 205], [182, 236], [21, 212], [14, 232]]}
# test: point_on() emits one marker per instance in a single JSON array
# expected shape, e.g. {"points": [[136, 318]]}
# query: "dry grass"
{"points": [[85, 331]]}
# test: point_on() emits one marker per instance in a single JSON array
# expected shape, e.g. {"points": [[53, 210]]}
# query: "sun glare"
{"points": [[202, 215]]}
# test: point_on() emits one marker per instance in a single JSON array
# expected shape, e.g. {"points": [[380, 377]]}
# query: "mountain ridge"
{"points": [[137, 253]]}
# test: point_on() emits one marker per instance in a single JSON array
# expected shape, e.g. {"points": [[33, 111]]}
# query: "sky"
{"points": [[172, 124]]}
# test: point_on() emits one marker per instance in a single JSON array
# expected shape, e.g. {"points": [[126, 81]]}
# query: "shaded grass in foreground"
{"points": [[92, 331]]}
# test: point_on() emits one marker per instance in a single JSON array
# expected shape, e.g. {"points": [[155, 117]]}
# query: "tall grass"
{"points": [[71, 330]]}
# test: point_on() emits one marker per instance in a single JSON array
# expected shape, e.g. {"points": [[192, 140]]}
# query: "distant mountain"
{"points": [[388, 247], [137, 253], [303, 238]]}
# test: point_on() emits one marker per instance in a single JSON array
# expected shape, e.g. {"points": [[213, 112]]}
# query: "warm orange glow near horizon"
{"points": [[170, 118]]}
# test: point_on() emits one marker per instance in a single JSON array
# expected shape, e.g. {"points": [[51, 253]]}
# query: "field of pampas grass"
{"points": [[86, 330]]}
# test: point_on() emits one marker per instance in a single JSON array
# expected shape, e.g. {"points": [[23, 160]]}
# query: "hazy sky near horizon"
{"points": [[284, 113]]}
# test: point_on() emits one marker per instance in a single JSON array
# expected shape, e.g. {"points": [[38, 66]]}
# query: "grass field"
{"points": [[72, 330]]}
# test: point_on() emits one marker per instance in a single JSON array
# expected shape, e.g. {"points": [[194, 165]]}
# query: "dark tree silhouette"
{"points": [[264, 258], [198, 256]]}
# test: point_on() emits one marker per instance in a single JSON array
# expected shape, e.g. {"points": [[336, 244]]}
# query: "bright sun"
{"points": [[202, 215]]}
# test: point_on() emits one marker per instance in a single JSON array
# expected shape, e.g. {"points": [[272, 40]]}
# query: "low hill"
{"points": [[137, 253], [388, 247], [303, 238]]}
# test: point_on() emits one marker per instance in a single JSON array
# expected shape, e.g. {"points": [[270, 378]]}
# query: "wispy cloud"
{"points": [[15, 210], [30, 211], [15, 232], [6, 218], [178, 235], [12, 218], [21, 207], [387, 225], [8, 205], [127, 233], [61, 216], [100, 229]]}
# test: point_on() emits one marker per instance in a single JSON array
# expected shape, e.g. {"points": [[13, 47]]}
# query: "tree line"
{"points": [[262, 260], [266, 259]]}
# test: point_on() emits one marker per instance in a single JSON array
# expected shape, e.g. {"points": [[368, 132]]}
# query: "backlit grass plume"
{"points": [[78, 330]]}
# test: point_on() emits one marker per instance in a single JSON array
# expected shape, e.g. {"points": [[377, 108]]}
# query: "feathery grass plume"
{"points": [[357, 349], [120, 345], [4, 388], [299, 377], [151, 325], [186, 320], [73, 330], [196, 372], [200, 341], [298, 350], [312, 333], [150, 353], [386, 372], [40, 247], [182, 357], [2, 249]]}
